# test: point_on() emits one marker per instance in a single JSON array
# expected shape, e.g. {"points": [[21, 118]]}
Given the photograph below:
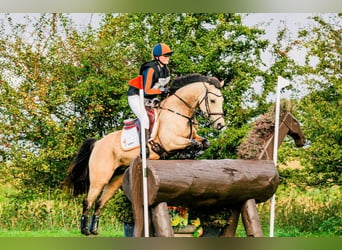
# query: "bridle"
{"points": [[196, 112], [206, 99]]}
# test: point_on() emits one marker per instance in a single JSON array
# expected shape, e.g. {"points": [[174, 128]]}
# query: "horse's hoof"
{"points": [[205, 143], [197, 154], [196, 145], [94, 232]]}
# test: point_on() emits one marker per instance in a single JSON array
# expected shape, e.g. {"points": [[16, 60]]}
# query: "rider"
{"points": [[156, 76]]}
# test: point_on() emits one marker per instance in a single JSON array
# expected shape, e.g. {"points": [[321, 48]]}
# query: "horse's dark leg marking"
{"points": [[195, 144], [107, 193], [84, 219], [94, 224]]}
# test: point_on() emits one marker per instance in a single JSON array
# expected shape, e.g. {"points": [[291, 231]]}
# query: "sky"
{"points": [[271, 22]]}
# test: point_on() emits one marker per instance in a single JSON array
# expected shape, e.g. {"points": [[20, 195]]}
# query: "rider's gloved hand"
{"points": [[166, 90]]}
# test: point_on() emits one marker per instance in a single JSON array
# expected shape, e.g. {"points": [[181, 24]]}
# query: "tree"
{"points": [[322, 107], [57, 88], [64, 85]]}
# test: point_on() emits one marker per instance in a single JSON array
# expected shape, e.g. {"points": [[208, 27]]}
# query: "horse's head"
{"points": [[295, 130], [211, 104], [198, 91]]}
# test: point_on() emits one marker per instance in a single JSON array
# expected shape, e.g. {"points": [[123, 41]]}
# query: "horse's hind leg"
{"points": [[88, 202], [107, 193], [85, 218]]}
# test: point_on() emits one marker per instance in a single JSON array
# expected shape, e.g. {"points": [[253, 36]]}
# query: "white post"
{"points": [[281, 84], [144, 168]]}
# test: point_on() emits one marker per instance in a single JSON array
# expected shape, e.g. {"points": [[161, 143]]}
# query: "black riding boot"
{"points": [[84, 225], [147, 136], [94, 224]]}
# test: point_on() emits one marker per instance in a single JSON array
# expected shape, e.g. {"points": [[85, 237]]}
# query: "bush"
{"points": [[306, 210], [50, 211]]}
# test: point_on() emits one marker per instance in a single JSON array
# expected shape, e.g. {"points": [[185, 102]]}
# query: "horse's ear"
{"points": [[222, 83]]}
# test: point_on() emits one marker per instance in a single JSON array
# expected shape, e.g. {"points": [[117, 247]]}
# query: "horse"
{"points": [[99, 165], [259, 141]]}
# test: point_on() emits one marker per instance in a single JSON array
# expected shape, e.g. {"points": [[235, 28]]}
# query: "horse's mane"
{"points": [[262, 130], [181, 81], [254, 143]]}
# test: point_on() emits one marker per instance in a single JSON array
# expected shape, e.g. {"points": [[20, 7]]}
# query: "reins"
{"points": [[190, 119]]}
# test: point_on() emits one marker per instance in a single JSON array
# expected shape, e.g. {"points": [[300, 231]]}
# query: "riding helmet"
{"points": [[161, 49]]}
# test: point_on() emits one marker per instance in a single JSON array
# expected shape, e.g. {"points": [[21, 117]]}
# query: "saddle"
{"points": [[131, 130], [130, 123]]}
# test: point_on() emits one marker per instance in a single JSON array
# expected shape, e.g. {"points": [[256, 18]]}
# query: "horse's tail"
{"points": [[77, 180]]}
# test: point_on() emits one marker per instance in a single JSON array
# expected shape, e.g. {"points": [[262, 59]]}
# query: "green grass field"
{"points": [[311, 212]]}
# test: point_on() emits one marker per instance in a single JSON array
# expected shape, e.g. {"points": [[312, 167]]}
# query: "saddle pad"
{"points": [[130, 136]]}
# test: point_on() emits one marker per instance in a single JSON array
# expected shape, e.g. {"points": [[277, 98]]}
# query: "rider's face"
{"points": [[164, 59]]}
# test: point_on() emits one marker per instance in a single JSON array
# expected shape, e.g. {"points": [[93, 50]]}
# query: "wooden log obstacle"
{"points": [[237, 184]]}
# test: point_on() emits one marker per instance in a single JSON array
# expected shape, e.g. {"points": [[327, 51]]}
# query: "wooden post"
{"points": [[230, 229], [161, 220], [250, 219], [134, 192]]}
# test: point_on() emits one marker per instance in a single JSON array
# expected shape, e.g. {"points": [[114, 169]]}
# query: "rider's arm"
{"points": [[148, 82]]}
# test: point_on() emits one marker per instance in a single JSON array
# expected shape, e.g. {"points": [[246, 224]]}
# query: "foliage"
{"points": [[218, 217], [53, 211], [295, 207], [60, 85], [316, 87], [54, 94], [306, 209], [322, 107], [179, 216], [122, 210], [64, 85]]}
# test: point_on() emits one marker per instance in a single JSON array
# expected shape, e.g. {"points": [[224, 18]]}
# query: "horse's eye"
{"points": [[212, 101]]}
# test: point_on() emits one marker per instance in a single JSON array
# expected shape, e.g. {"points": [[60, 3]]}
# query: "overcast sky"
{"points": [[271, 22]]}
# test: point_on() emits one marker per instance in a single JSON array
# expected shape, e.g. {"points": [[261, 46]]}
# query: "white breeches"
{"points": [[139, 111]]}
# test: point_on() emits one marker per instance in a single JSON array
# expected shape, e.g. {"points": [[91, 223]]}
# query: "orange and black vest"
{"points": [[159, 72]]}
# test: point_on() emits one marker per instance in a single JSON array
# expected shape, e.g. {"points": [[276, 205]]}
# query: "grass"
{"points": [[119, 233], [57, 233], [299, 213]]}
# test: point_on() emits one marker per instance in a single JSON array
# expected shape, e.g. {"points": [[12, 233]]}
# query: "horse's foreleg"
{"points": [[204, 142], [107, 193], [179, 143]]}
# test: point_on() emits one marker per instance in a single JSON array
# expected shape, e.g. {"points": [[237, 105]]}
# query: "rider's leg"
{"points": [[140, 112]]}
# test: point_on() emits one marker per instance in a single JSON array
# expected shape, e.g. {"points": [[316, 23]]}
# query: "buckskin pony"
{"points": [[98, 166]]}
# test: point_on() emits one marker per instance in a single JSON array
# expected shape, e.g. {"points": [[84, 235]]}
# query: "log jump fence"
{"points": [[235, 184]]}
